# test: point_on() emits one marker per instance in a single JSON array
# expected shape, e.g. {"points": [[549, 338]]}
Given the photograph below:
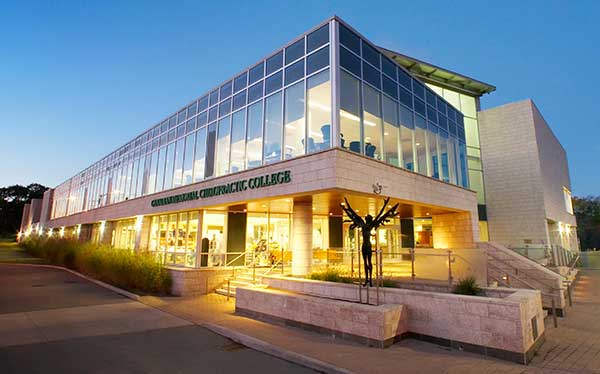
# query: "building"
{"points": [[255, 170]]}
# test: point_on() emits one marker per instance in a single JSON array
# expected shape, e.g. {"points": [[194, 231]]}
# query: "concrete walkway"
{"points": [[572, 348]]}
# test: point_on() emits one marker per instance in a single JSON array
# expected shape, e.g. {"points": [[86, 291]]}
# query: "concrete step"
{"points": [[223, 292]]}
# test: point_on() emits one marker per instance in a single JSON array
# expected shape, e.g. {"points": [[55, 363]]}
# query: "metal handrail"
{"points": [[521, 270], [279, 261]]}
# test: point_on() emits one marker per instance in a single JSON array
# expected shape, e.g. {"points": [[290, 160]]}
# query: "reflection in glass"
{"points": [[254, 135], [273, 128], [169, 166], [188, 159], [434, 166], [294, 120], [350, 113], [223, 142], [372, 122], [319, 112], [391, 131], [200, 155], [178, 168], [160, 173], [238, 141], [211, 138], [421, 149], [151, 185]]}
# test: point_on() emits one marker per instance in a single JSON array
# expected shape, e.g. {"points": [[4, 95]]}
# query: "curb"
{"points": [[273, 350], [118, 290]]}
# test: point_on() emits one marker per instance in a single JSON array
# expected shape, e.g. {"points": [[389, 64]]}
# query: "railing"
{"points": [[541, 254]]}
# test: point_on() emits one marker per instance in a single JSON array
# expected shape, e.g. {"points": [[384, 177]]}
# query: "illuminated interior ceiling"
{"points": [[440, 76], [328, 202]]}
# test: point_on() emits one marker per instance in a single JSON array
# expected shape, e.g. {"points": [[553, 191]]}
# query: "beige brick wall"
{"points": [[454, 230]]}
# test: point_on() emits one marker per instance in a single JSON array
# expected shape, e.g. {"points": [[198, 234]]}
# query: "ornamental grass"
{"points": [[138, 272]]}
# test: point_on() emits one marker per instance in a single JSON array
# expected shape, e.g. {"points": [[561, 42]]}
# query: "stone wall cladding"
{"points": [[502, 260], [192, 282], [513, 183], [376, 325], [503, 323], [330, 170]]}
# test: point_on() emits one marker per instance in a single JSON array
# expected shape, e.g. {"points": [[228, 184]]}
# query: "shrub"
{"points": [[122, 268], [331, 275], [468, 286]]}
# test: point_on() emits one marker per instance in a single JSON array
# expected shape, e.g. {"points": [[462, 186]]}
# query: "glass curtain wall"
{"points": [[277, 109]]}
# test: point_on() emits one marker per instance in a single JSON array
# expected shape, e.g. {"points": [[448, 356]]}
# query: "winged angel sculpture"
{"points": [[366, 226]]}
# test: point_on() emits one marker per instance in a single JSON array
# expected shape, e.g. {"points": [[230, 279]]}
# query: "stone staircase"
{"points": [[244, 277], [508, 268]]}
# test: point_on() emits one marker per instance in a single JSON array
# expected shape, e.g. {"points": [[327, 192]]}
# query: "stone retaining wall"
{"points": [[376, 326], [507, 323]]}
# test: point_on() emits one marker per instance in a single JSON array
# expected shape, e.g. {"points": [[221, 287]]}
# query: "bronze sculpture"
{"points": [[366, 226]]}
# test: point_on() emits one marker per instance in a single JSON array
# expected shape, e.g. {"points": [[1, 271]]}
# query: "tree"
{"points": [[587, 212], [12, 200]]}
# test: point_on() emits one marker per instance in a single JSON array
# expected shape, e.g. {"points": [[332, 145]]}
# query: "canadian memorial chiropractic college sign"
{"points": [[253, 183]]}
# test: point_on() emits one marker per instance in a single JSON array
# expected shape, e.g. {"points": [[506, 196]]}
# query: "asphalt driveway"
{"points": [[52, 321]]}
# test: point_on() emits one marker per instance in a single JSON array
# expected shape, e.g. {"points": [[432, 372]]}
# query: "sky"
{"points": [[80, 78]]}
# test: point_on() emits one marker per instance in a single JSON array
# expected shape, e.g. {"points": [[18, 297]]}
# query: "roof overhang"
{"points": [[439, 76]]}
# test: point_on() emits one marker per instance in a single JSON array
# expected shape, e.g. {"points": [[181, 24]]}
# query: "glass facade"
{"points": [[388, 115], [280, 108]]}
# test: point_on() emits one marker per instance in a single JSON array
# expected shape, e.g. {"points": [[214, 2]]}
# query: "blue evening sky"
{"points": [[80, 78]]}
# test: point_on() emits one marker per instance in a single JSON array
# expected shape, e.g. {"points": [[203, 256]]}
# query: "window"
{"points": [[225, 90], [274, 62], [239, 100], [349, 39], [421, 145], [200, 155], [294, 121], [214, 97], [388, 67], [273, 83], [371, 75], [255, 92], [256, 73], [238, 141], [254, 135], [178, 168], [151, 186], [444, 158], [273, 128], [294, 51], [319, 112], [188, 159], [225, 108], [391, 132], [317, 38], [240, 82], [568, 200], [350, 62], [350, 113], [211, 137], [317, 60], [372, 123], [293, 72], [434, 158], [370, 55], [169, 166], [223, 142], [407, 139]]}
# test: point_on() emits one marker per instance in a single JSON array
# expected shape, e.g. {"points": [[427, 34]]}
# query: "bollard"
{"points": [[412, 260], [450, 269], [228, 289], [569, 295]]}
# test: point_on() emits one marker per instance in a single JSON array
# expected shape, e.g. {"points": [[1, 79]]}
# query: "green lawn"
{"points": [[11, 253]]}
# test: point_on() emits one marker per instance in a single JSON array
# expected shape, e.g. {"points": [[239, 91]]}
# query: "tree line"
{"points": [[12, 200], [587, 212]]}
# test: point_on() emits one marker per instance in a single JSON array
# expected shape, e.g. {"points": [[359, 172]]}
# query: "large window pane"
{"points": [[254, 135], [160, 172], [200, 155], [407, 144], [188, 159], [211, 138], [169, 166], [350, 113], [238, 140], [151, 187], [444, 158], [372, 122], [434, 166], [421, 147], [319, 112], [140, 177], [462, 151], [391, 131], [471, 132], [273, 128], [178, 169], [223, 142], [294, 121]]}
